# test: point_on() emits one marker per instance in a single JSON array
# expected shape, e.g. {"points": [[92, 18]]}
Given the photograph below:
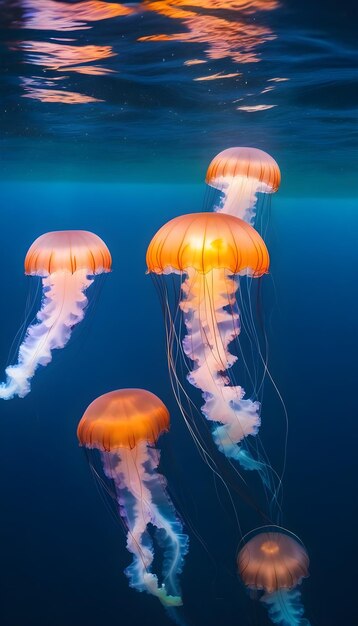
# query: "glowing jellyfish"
{"points": [[275, 563], [124, 425], [240, 174], [66, 261], [210, 250]]}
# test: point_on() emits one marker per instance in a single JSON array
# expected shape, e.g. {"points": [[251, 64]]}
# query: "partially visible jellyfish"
{"points": [[240, 174], [66, 261], [275, 562], [210, 251], [124, 426]]}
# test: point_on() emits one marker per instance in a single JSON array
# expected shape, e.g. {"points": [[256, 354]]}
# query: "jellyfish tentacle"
{"points": [[124, 426], [174, 542], [240, 174], [143, 500], [285, 607], [275, 561], [239, 196], [62, 307], [210, 330]]}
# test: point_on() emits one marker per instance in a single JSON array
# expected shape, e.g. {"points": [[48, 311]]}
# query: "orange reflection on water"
{"points": [[267, 89], [56, 56], [218, 75], [247, 6], [33, 89], [90, 70], [223, 36], [194, 62], [61, 16], [256, 107]]}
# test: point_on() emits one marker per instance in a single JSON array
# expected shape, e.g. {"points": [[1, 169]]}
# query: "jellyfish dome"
{"points": [[210, 250], [240, 174], [206, 242], [66, 261], [276, 562], [124, 426], [68, 250], [123, 418], [272, 561]]}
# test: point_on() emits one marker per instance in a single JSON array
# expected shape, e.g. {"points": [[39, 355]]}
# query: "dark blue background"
{"points": [[62, 556]]}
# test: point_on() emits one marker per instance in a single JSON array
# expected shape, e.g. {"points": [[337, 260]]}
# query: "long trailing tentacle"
{"points": [[210, 330], [239, 196], [63, 306], [143, 500], [285, 607], [178, 360]]}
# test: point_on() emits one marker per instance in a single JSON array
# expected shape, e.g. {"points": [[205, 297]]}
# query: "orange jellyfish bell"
{"points": [[123, 425], [120, 419], [208, 241], [70, 250], [273, 561], [67, 262], [246, 162]]}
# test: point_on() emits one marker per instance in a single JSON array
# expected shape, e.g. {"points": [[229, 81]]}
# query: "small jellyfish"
{"points": [[275, 562], [124, 426], [240, 174], [210, 251], [66, 261]]}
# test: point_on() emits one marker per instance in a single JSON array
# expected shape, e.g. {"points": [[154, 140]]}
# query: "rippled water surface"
{"points": [[153, 89]]}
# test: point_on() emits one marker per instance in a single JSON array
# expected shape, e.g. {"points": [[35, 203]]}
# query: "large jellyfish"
{"points": [[124, 426], [240, 174], [66, 261], [275, 562], [211, 250]]}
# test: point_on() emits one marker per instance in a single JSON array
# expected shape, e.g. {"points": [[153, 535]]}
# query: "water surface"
{"points": [[152, 90]]}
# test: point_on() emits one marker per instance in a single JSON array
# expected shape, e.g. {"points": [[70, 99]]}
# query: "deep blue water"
{"points": [[109, 116], [62, 555]]}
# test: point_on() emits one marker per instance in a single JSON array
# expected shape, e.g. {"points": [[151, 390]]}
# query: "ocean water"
{"points": [[63, 555], [108, 125]]}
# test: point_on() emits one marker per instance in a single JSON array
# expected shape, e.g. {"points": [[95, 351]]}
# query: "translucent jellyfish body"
{"points": [[275, 562], [66, 261], [240, 174], [124, 426], [210, 250]]}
